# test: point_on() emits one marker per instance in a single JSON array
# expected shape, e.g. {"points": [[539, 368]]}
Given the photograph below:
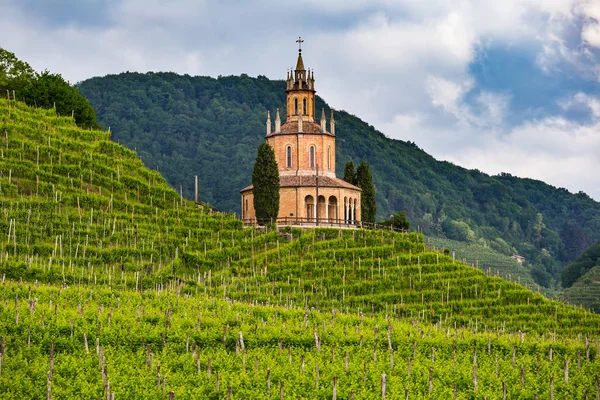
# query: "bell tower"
{"points": [[300, 91]]}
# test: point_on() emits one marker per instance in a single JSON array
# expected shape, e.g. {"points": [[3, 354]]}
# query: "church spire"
{"points": [[300, 91], [300, 72], [300, 63]]}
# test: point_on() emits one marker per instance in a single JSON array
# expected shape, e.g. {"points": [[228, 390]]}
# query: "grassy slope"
{"points": [[104, 250], [485, 258], [585, 291]]}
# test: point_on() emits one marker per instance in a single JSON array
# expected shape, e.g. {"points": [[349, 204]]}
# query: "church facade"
{"points": [[309, 190]]}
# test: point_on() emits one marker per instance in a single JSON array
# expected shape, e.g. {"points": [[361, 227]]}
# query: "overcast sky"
{"points": [[501, 86]]}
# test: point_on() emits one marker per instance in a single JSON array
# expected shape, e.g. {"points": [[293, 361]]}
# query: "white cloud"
{"points": [[553, 150], [582, 100], [591, 30]]}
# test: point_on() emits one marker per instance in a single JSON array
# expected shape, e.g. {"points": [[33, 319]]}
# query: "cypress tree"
{"points": [[265, 179], [364, 180], [349, 174]]}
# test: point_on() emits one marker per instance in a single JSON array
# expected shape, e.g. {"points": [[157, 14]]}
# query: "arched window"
{"points": [[296, 106], [288, 157], [311, 154], [304, 106], [329, 157]]}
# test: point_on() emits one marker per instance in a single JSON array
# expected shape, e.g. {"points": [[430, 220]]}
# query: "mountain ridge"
{"points": [[211, 127]]}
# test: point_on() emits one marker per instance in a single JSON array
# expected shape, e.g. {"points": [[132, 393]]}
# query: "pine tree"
{"points": [[349, 174], [265, 179], [364, 180]]}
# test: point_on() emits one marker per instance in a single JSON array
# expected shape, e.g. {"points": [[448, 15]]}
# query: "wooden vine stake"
{"points": [[383, 384], [430, 380], [49, 386], [335, 387]]}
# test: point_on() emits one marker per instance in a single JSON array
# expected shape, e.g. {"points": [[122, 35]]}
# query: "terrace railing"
{"points": [[321, 222]]}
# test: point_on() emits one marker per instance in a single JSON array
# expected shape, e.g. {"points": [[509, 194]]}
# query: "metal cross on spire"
{"points": [[299, 41]]}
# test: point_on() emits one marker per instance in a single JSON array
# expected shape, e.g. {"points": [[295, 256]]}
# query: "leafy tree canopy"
{"points": [[398, 220], [14, 73], [44, 89]]}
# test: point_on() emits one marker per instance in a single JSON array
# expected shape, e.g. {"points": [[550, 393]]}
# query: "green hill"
{"points": [[486, 259], [187, 126], [114, 285], [586, 290], [588, 260], [581, 279]]}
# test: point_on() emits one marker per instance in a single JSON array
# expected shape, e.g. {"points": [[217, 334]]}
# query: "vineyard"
{"points": [[479, 256], [113, 286]]}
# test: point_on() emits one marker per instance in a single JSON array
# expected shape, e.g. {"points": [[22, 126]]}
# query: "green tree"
{"points": [[401, 221], [458, 230], [44, 90], [14, 73], [349, 174], [265, 179], [398, 220], [574, 240], [47, 90], [364, 180]]}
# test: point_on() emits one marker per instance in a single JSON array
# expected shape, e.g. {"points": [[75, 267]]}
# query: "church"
{"points": [[310, 192]]}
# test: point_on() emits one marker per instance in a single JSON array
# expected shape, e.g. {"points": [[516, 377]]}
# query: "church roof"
{"points": [[307, 127], [310, 181]]}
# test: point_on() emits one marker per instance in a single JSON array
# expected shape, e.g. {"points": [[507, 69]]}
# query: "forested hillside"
{"points": [[187, 126], [581, 279], [115, 287]]}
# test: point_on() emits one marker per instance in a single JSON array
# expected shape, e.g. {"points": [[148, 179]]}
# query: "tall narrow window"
{"points": [[295, 106], [329, 157], [288, 157], [304, 106], [312, 156]]}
